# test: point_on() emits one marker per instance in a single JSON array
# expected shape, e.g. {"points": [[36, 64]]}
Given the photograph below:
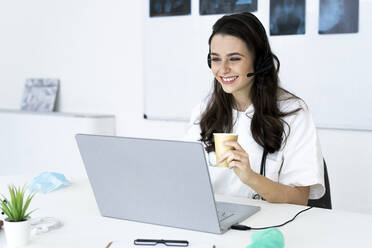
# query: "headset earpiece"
{"points": [[209, 61]]}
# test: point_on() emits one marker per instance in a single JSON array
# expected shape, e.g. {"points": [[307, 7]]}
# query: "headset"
{"points": [[265, 63]]}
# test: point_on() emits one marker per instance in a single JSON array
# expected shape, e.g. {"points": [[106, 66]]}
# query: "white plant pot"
{"points": [[17, 233]]}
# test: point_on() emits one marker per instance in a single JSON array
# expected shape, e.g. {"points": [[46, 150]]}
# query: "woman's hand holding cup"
{"points": [[230, 154], [221, 148]]}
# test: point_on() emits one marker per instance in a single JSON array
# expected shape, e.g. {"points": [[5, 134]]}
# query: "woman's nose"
{"points": [[225, 66]]}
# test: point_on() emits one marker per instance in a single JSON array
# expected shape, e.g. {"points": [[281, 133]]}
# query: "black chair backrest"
{"points": [[325, 200]]}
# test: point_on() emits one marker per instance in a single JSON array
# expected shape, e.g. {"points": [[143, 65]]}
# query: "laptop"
{"points": [[154, 181]]}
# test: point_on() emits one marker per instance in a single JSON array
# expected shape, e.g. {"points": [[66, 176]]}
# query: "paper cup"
{"points": [[220, 149]]}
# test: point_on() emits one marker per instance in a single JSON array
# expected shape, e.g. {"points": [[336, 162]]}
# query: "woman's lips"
{"points": [[229, 80]]}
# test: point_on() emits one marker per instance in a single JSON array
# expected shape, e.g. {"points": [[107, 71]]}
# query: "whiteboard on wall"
{"points": [[330, 72]]}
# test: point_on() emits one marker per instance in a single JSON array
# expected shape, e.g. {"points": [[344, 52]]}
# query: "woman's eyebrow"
{"points": [[229, 54], [236, 53]]}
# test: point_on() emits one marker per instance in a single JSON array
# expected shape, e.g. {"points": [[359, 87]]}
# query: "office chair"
{"points": [[325, 200]]}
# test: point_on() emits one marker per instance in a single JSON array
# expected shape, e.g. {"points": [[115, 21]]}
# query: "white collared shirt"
{"points": [[299, 162]]}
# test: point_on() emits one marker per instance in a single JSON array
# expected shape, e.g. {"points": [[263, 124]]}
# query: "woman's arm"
{"points": [[271, 191], [277, 192]]}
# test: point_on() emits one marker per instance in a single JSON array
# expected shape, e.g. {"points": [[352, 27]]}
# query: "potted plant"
{"points": [[16, 225]]}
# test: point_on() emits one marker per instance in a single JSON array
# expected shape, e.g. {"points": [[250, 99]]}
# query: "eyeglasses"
{"points": [[179, 243]]}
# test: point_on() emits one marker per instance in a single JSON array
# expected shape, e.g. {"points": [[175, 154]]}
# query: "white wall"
{"points": [[95, 48], [348, 158], [35, 142]]}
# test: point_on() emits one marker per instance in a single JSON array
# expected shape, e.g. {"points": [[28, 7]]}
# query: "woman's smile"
{"points": [[229, 80]]}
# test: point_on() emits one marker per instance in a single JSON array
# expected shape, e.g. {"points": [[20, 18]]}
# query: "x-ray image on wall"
{"points": [[287, 17], [40, 94], [338, 16], [210, 7], [169, 7]]}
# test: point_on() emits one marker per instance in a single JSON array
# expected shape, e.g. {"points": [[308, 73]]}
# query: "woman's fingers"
{"points": [[225, 156], [234, 144], [238, 156], [236, 165], [233, 155], [233, 164], [236, 148]]}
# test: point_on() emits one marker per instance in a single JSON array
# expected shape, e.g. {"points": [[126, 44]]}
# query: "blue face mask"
{"points": [[47, 182]]}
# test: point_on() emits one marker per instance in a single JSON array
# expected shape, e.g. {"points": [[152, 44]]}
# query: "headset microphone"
{"points": [[251, 74]]}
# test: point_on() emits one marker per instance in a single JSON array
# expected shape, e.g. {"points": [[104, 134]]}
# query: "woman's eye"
{"points": [[235, 59], [216, 59]]}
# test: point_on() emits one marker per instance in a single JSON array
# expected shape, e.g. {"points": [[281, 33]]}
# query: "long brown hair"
{"points": [[267, 124]]}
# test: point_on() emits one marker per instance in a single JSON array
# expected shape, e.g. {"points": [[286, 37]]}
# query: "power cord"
{"points": [[245, 228]]}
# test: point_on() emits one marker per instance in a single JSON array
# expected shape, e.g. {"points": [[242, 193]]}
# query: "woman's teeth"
{"points": [[229, 79]]}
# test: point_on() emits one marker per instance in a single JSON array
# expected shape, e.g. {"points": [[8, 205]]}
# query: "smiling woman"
{"points": [[270, 122]]}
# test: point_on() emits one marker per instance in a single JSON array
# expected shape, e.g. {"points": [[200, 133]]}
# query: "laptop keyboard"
{"points": [[223, 215]]}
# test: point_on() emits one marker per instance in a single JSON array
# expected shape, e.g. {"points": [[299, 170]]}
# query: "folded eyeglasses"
{"points": [[152, 242]]}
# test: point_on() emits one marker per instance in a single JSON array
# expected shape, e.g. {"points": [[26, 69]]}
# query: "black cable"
{"points": [[245, 228]]}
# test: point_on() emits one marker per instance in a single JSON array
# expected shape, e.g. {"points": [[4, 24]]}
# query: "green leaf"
{"points": [[13, 210], [7, 210], [12, 190], [9, 214], [20, 195], [28, 201], [19, 200], [13, 205], [28, 214]]}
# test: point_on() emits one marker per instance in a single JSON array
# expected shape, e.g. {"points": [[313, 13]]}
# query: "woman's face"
{"points": [[231, 61]]}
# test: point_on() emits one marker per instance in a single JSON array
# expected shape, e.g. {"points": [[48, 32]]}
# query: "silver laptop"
{"points": [[156, 181]]}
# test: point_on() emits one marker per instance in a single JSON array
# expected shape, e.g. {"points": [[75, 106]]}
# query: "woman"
{"points": [[272, 123]]}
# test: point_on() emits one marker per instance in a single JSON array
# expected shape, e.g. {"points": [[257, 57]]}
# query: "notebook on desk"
{"points": [[156, 181]]}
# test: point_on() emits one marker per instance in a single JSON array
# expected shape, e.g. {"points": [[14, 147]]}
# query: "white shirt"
{"points": [[299, 162]]}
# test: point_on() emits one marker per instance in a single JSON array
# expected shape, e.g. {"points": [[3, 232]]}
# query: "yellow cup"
{"points": [[220, 149]]}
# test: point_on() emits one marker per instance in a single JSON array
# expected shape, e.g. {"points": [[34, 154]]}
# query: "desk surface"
{"points": [[83, 226]]}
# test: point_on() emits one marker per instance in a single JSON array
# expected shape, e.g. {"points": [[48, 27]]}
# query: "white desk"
{"points": [[84, 227]]}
